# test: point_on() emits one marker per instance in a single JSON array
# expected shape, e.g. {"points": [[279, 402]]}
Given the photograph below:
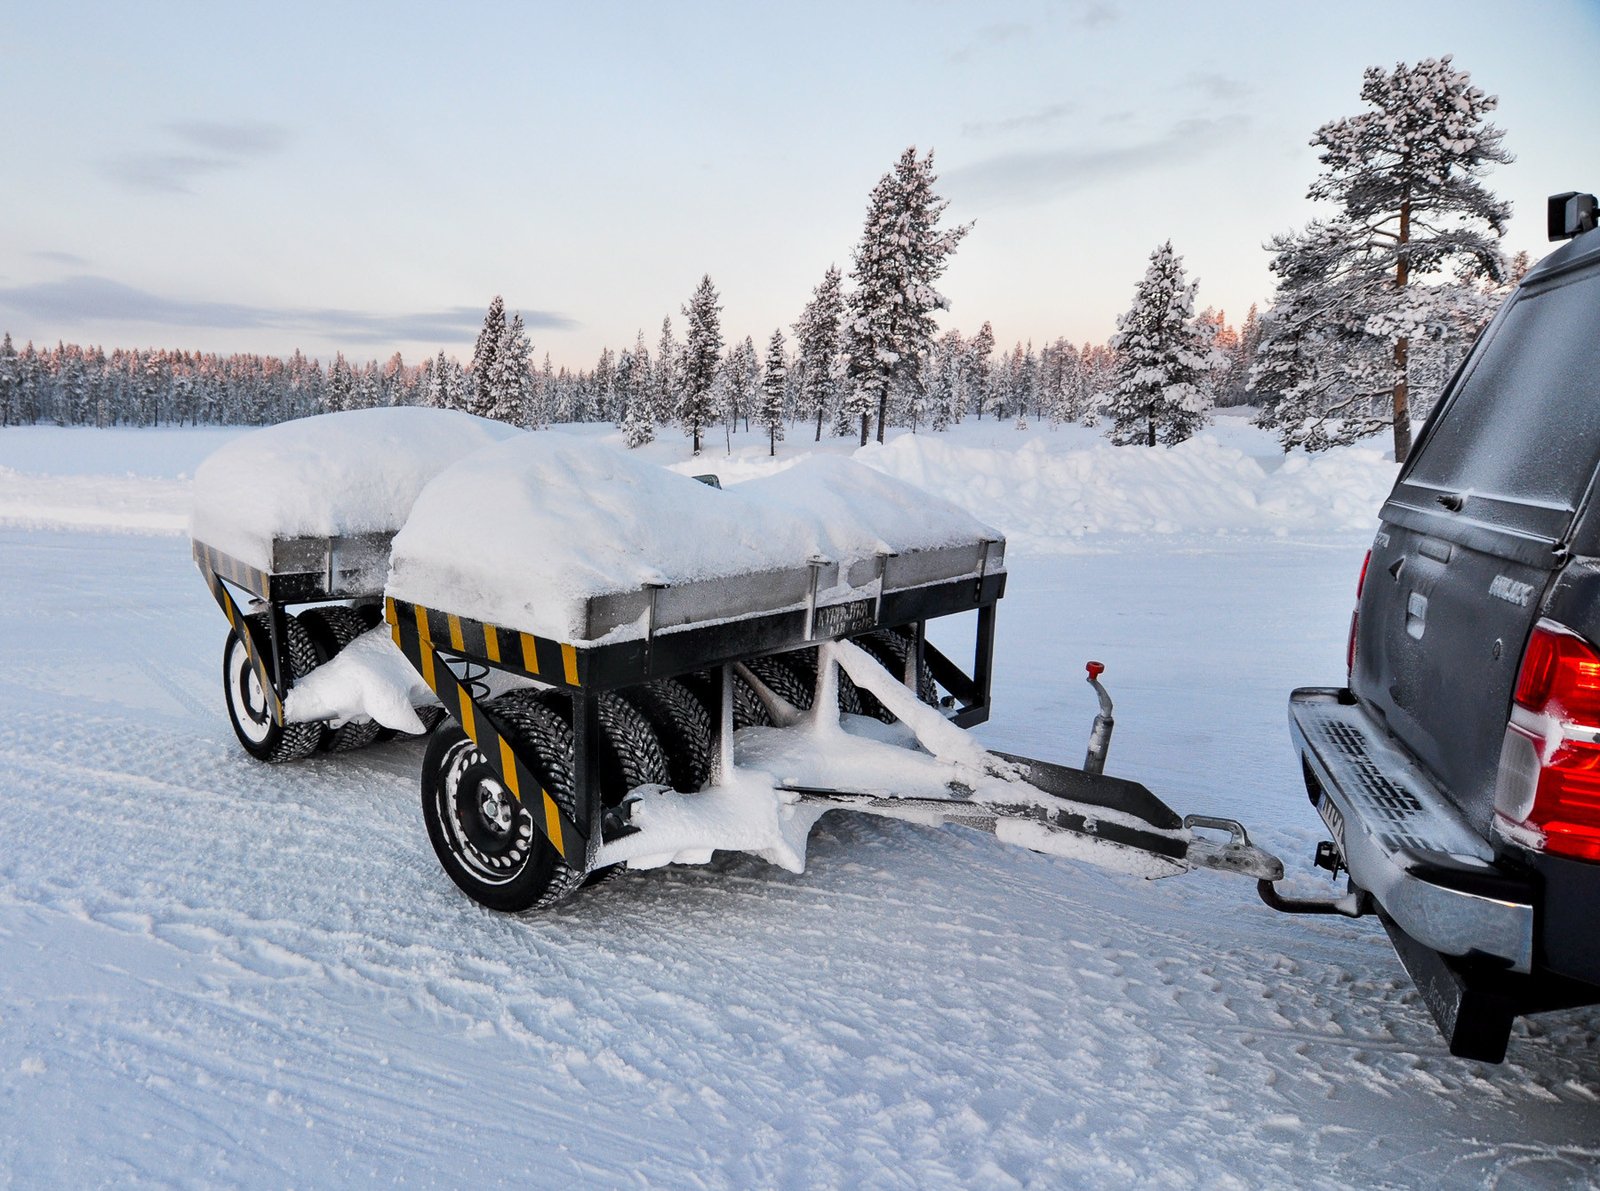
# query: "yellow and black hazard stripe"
{"points": [[414, 628], [555, 662], [236, 618], [214, 562]]}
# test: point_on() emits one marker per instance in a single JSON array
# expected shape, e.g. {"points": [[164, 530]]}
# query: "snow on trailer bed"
{"points": [[563, 538], [285, 499]]}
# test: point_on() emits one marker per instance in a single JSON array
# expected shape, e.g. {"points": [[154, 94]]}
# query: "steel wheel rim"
{"points": [[246, 696], [490, 835]]}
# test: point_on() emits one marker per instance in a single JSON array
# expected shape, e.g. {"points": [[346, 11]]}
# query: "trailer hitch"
{"points": [[1236, 855]]}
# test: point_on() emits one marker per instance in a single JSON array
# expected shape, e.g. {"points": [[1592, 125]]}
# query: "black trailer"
{"points": [[550, 745]]}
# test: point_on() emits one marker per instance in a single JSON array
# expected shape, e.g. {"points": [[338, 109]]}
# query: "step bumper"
{"points": [[1403, 841]]}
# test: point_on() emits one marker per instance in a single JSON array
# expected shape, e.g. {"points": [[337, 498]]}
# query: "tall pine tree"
{"points": [[1161, 390], [700, 359], [902, 253], [770, 413], [485, 354], [1405, 180], [817, 345]]}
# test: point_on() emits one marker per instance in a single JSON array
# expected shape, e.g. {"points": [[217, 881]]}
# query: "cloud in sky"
{"points": [[987, 37], [60, 258], [1093, 14], [1036, 176], [240, 138], [77, 300], [1043, 117], [1218, 87], [209, 147]]}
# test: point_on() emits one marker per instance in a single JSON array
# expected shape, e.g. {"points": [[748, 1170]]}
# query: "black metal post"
{"points": [[586, 771]]}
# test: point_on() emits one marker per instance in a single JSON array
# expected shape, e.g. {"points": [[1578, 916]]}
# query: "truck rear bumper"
{"points": [[1402, 840]]}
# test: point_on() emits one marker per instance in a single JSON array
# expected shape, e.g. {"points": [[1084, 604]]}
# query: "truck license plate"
{"points": [[1334, 819]]}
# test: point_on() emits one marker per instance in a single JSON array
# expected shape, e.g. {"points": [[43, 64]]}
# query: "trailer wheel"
{"points": [[681, 726], [804, 662], [248, 707], [486, 841], [891, 647], [630, 754], [785, 679], [748, 709], [332, 627]]}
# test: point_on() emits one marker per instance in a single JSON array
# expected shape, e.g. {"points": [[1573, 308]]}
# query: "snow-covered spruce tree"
{"points": [[10, 383], [485, 352], [946, 389], [769, 414], [341, 385], [701, 349], [668, 371], [1242, 359], [741, 378], [1160, 390], [903, 251], [817, 345], [979, 348], [513, 375], [1414, 228], [634, 386], [368, 392]]}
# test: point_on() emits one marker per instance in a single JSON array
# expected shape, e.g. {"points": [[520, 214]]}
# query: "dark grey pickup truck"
{"points": [[1459, 771]]}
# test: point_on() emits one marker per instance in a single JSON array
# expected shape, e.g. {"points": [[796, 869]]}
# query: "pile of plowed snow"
{"points": [[1049, 491]]}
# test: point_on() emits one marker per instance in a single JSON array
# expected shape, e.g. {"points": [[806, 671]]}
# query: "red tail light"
{"points": [[1547, 795], [1355, 619]]}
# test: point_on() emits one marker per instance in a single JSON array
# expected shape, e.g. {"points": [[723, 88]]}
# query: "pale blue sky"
{"points": [[256, 177]]}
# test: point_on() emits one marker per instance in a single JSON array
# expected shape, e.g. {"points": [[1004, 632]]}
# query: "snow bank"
{"points": [[333, 474], [524, 533], [1047, 493]]}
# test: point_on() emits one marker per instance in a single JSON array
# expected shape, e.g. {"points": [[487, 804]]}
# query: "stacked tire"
{"points": [[311, 638], [658, 734]]}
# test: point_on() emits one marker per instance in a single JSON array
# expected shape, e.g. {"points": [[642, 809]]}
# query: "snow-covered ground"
{"points": [[216, 972]]}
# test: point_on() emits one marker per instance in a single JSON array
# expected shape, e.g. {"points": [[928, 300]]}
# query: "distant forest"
{"points": [[73, 385]]}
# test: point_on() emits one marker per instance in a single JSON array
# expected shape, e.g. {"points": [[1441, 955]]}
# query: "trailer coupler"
{"points": [[1236, 855]]}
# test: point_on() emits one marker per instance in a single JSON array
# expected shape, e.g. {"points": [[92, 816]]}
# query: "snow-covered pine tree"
{"points": [[642, 375], [668, 369], [1160, 389], [817, 346], [700, 360], [770, 413], [513, 372], [846, 409], [902, 253], [947, 391], [439, 394], [1242, 359], [1061, 370], [10, 383], [1415, 226], [741, 378], [340, 393], [634, 389], [979, 348], [368, 393], [485, 355]]}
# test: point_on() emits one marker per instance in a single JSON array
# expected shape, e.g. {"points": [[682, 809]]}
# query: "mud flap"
{"points": [[1474, 1012]]}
